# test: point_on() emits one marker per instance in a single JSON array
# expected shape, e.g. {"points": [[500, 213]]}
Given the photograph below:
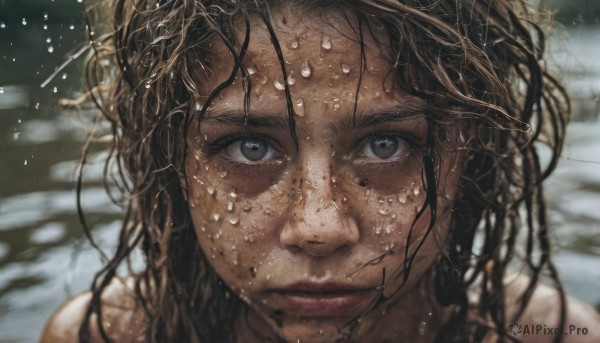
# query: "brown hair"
{"points": [[476, 62]]}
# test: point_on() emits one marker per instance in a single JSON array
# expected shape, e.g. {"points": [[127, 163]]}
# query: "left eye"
{"points": [[385, 147], [250, 150]]}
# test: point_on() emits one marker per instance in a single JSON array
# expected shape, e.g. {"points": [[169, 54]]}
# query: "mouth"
{"points": [[319, 300]]}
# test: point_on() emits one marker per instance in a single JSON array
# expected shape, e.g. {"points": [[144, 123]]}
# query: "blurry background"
{"points": [[44, 257]]}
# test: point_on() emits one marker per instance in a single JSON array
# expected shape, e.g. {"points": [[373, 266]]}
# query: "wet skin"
{"points": [[292, 229]]}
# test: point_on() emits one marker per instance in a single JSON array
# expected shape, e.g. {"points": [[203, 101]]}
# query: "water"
{"points": [[44, 257]]}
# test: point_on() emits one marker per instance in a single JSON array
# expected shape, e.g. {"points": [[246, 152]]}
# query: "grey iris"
{"points": [[384, 146], [254, 149]]}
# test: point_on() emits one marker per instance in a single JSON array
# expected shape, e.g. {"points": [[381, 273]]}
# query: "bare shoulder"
{"points": [[540, 321], [123, 320]]}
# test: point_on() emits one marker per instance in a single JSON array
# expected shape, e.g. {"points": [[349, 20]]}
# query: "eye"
{"points": [[385, 147], [250, 150]]}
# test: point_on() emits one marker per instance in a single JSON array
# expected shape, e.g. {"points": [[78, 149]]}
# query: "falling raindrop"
{"points": [[345, 69], [50, 49], [25, 163], [1, 90], [71, 27], [300, 107], [2, 25], [24, 21], [48, 39], [45, 16], [55, 89], [45, 27], [326, 43], [64, 76], [278, 85], [305, 69]]}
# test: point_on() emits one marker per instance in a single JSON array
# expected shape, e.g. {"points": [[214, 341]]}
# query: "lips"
{"points": [[319, 300]]}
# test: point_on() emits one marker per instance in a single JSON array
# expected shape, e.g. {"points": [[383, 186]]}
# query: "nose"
{"points": [[318, 225]]}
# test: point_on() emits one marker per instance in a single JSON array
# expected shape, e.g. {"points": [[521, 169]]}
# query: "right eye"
{"points": [[250, 150]]}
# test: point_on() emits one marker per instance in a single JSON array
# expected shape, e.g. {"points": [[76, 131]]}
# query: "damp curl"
{"points": [[479, 64]]}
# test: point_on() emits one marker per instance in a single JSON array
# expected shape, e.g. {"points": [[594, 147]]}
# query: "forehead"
{"points": [[327, 45]]}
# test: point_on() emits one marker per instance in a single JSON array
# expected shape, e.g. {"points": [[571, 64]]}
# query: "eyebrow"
{"points": [[347, 123]]}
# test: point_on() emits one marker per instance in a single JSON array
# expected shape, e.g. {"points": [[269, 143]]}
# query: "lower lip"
{"points": [[320, 305]]}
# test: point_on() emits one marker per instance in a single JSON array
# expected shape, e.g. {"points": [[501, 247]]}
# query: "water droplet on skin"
{"points": [[278, 85], [383, 212], [263, 80], [345, 69], [210, 190], [267, 211], [295, 44], [234, 220], [230, 206], [291, 80], [251, 71], [305, 69], [416, 190], [216, 217], [247, 208], [326, 43], [299, 107], [223, 174]]}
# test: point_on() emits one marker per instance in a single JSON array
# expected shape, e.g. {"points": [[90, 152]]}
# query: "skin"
{"points": [[320, 211]]}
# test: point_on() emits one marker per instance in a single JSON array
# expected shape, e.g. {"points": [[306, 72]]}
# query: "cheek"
{"points": [[236, 231]]}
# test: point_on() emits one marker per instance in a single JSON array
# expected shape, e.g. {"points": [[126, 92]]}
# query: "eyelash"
{"points": [[220, 145]]}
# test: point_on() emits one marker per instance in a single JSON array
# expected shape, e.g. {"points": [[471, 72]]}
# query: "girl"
{"points": [[323, 171]]}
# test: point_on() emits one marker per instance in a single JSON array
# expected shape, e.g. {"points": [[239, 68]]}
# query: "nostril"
{"points": [[314, 242]]}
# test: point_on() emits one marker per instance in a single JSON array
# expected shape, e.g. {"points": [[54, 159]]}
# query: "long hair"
{"points": [[477, 63]]}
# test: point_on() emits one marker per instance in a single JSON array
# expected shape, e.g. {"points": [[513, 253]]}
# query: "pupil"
{"points": [[384, 147], [254, 149]]}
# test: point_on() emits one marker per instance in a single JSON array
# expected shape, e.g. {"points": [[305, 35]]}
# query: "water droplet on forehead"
{"points": [[345, 69], [251, 70], [234, 220], [230, 206], [291, 80], [278, 85], [216, 217], [299, 107], [326, 43], [402, 198], [305, 69]]}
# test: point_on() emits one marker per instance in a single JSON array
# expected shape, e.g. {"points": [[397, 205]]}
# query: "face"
{"points": [[308, 234]]}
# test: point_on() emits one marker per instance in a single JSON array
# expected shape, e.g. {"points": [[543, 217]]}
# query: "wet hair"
{"points": [[477, 63]]}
